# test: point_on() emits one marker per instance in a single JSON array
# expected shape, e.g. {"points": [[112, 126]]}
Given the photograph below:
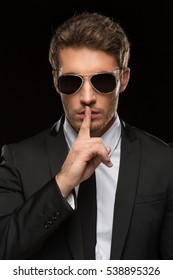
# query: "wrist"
{"points": [[63, 186]]}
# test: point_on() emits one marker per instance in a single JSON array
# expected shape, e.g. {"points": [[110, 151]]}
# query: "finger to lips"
{"points": [[84, 132], [86, 124]]}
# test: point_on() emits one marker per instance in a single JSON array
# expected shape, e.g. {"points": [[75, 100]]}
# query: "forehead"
{"points": [[85, 60]]}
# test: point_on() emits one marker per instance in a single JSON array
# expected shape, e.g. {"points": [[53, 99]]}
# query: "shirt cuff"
{"points": [[70, 200]]}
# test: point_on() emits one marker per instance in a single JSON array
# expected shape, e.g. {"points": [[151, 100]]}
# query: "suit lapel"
{"points": [[57, 147], [57, 152], [126, 191]]}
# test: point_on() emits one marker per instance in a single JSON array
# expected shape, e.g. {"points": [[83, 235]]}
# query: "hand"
{"points": [[84, 157]]}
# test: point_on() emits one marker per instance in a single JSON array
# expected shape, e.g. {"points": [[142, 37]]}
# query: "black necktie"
{"points": [[87, 211]]}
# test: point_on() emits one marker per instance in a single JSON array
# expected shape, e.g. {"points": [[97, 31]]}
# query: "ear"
{"points": [[125, 76]]}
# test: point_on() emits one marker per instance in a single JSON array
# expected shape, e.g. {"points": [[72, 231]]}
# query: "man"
{"points": [[92, 186]]}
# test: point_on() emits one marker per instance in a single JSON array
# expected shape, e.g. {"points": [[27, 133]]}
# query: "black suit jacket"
{"points": [[36, 222]]}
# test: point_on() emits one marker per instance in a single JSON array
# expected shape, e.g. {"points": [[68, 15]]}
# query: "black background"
{"points": [[28, 100]]}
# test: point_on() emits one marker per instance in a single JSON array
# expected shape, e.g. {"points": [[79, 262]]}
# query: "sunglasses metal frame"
{"points": [[89, 76]]}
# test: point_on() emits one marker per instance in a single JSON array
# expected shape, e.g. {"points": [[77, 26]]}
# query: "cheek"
{"points": [[110, 102], [67, 102], [65, 105], [111, 106]]}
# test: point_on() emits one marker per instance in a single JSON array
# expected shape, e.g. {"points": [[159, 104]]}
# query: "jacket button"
{"points": [[47, 225]]}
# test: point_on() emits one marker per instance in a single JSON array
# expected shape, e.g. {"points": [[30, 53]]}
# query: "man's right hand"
{"points": [[84, 157]]}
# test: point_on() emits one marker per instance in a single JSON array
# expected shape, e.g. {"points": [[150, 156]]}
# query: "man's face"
{"points": [[86, 61]]}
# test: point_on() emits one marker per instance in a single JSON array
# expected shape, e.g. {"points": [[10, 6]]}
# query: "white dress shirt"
{"points": [[106, 184]]}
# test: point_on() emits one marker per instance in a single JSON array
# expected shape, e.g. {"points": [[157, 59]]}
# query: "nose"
{"points": [[87, 93]]}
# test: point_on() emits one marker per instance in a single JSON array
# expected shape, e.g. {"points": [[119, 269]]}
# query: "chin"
{"points": [[97, 130]]}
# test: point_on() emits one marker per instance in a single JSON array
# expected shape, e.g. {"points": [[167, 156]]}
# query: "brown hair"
{"points": [[92, 30]]}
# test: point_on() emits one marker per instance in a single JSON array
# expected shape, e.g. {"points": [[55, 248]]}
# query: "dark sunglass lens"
{"points": [[69, 84], [104, 82]]}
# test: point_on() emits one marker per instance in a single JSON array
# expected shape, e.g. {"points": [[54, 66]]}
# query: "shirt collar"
{"points": [[111, 137]]}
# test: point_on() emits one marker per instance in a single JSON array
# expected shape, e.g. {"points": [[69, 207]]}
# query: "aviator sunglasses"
{"points": [[103, 82]]}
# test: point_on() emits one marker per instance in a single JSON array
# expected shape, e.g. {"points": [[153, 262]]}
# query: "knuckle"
{"points": [[75, 146], [99, 140]]}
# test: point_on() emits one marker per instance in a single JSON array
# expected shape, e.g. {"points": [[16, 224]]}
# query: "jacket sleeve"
{"points": [[166, 240], [26, 223]]}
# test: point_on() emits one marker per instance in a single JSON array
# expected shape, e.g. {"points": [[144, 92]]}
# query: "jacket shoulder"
{"points": [[37, 139], [133, 132]]}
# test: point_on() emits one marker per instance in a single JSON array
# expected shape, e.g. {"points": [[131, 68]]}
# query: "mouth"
{"points": [[94, 114]]}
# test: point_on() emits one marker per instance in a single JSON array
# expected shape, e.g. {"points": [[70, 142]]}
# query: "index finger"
{"points": [[86, 124]]}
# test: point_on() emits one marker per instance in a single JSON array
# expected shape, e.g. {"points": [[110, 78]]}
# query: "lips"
{"points": [[94, 114]]}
